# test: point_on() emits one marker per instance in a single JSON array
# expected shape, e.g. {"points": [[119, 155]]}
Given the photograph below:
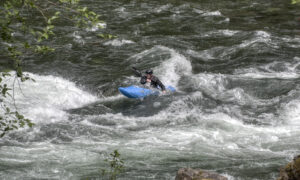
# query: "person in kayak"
{"points": [[150, 78]]}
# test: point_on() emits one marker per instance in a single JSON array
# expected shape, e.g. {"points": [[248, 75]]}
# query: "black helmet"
{"points": [[149, 71]]}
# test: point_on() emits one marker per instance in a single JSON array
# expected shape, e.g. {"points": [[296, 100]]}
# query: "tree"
{"points": [[15, 19]]}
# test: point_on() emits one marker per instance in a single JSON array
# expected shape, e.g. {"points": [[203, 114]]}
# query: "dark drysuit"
{"points": [[155, 82]]}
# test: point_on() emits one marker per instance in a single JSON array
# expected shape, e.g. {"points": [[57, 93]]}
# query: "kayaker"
{"points": [[149, 78]]}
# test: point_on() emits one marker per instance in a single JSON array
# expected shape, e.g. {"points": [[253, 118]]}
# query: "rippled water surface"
{"points": [[235, 65]]}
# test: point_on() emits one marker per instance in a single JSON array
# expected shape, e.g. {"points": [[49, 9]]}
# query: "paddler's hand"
{"points": [[164, 91]]}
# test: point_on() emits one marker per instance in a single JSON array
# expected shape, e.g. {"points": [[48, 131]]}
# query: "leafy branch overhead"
{"points": [[18, 16], [9, 120], [19, 36], [295, 1]]}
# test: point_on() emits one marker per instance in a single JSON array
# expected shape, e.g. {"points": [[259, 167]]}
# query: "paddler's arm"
{"points": [[161, 85], [137, 72], [163, 88], [143, 80]]}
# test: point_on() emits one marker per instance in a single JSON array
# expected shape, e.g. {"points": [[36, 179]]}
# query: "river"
{"points": [[235, 65]]}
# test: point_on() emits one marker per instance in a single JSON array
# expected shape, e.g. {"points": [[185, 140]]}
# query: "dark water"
{"points": [[235, 65]]}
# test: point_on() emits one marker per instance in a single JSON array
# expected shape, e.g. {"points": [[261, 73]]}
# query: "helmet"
{"points": [[149, 71]]}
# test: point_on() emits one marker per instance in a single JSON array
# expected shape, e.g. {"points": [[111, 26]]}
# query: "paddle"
{"points": [[137, 72]]}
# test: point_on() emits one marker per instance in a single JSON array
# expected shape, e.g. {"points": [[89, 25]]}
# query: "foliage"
{"points": [[9, 120], [116, 165], [295, 1], [19, 37]]}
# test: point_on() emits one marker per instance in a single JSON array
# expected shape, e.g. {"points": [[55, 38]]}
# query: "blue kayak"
{"points": [[138, 92]]}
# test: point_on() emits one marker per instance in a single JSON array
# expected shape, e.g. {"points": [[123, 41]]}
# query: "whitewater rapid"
{"points": [[187, 123]]}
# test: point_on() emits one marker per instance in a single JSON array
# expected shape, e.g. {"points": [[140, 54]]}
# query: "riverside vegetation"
{"points": [[15, 23]]}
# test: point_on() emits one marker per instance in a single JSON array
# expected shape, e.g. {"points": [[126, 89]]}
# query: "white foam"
{"points": [[207, 13], [291, 112], [185, 127], [293, 42], [118, 42], [213, 129], [212, 82], [120, 9], [227, 19], [171, 69], [46, 99], [288, 70], [111, 98], [225, 32], [259, 37], [213, 13], [215, 86], [162, 8], [78, 38], [122, 12], [229, 177], [263, 34], [223, 53], [96, 27], [262, 75], [198, 11], [205, 55]]}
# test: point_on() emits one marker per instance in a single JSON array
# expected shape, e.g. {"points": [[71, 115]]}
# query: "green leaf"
{"points": [[295, 1], [4, 92], [7, 110], [2, 123], [50, 27], [19, 71], [19, 116], [21, 123], [2, 134], [26, 45], [101, 35]]}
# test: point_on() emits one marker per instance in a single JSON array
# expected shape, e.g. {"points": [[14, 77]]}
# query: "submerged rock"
{"points": [[291, 171], [197, 174]]}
